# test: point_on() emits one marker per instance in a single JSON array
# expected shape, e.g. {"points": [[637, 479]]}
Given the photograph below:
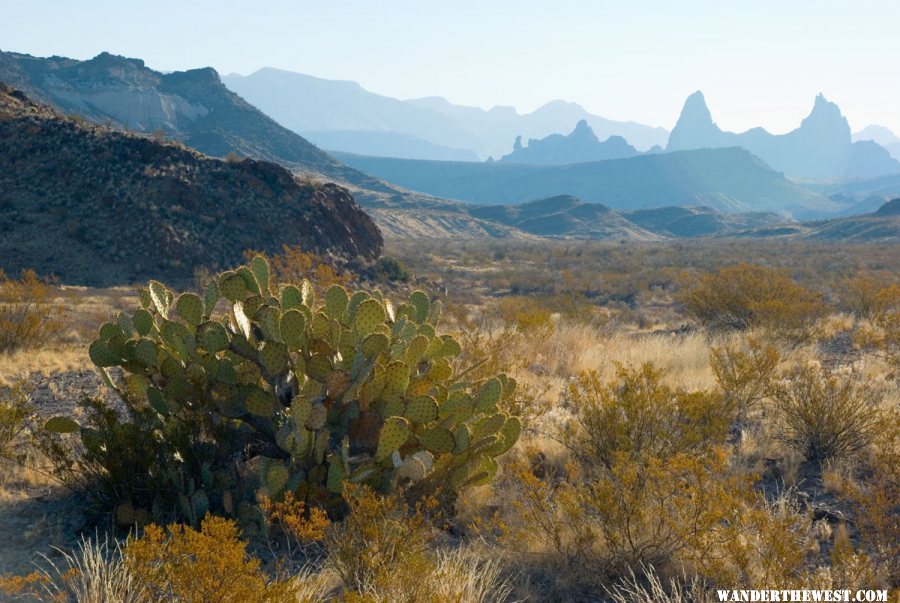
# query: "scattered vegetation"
{"points": [[30, 314], [747, 296], [683, 422]]}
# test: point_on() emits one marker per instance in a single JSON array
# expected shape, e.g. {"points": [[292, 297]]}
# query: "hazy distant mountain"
{"points": [[578, 147], [565, 216], [883, 188], [692, 222], [500, 125], [98, 206], [820, 148], [882, 136], [308, 105], [882, 225], [730, 180], [386, 144]]}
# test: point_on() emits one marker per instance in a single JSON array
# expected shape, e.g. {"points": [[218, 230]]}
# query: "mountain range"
{"points": [[343, 116], [729, 180], [428, 198], [880, 135], [193, 107], [821, 148], [97, 206], [566, 216], [580, 146]]}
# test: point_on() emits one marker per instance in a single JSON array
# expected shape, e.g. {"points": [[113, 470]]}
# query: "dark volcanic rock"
{"points": [[96, 206]]}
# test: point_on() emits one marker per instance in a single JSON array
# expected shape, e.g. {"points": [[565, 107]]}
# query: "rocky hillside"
{"points": [[192, 106], [97, 206]]}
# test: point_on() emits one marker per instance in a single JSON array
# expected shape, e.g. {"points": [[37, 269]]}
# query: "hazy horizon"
{"points": [[757, 66]]}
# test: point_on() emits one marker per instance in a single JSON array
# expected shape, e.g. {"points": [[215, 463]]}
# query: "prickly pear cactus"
{"points": [[353, 388]]}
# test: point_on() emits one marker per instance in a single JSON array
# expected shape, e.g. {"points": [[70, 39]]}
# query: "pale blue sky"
{"points": [[759, 62]]}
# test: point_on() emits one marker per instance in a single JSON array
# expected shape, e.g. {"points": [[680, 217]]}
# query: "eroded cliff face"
{"points": [[821, 147], [96, 206], [192, 106]]}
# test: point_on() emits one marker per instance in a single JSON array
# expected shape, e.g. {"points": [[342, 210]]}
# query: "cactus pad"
{"points": [[189, 308], [101, 355], [394, 434], [336, 476], [336, 300], [260, 269], [232, 287], [422, 410], [318, 367], [396, 376], [275, 476], [489, 426], [438, 440], [488, 396], [318, 415], [369, 315], [274, 357], [293, 328], [375, 344], [419, 301], [260, 403]]}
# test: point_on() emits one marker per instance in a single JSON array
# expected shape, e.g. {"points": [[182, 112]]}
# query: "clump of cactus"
{"points": [[313, 393]]}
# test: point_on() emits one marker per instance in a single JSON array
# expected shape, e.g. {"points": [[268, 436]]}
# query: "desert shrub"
{"points": [[637, 416], [869, 296], [391, 269], [744, 374], [745, 296], [758, 543], [387, 550], [14, 412], [383, 545], [645, 476], [300, 526], [29, 314], [881, 331], [283, 394], [589, 528], [824, 416], [878, 502], [527, 315], [206, 566]]}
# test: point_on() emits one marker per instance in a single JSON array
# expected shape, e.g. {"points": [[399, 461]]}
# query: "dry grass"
{"points": [[85, 311]]}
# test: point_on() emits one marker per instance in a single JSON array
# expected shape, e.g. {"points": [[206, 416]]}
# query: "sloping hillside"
{"points": [[565, 216], [96, 206], [692, 222], [729, 180], [191, 106], [882, 225]]}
